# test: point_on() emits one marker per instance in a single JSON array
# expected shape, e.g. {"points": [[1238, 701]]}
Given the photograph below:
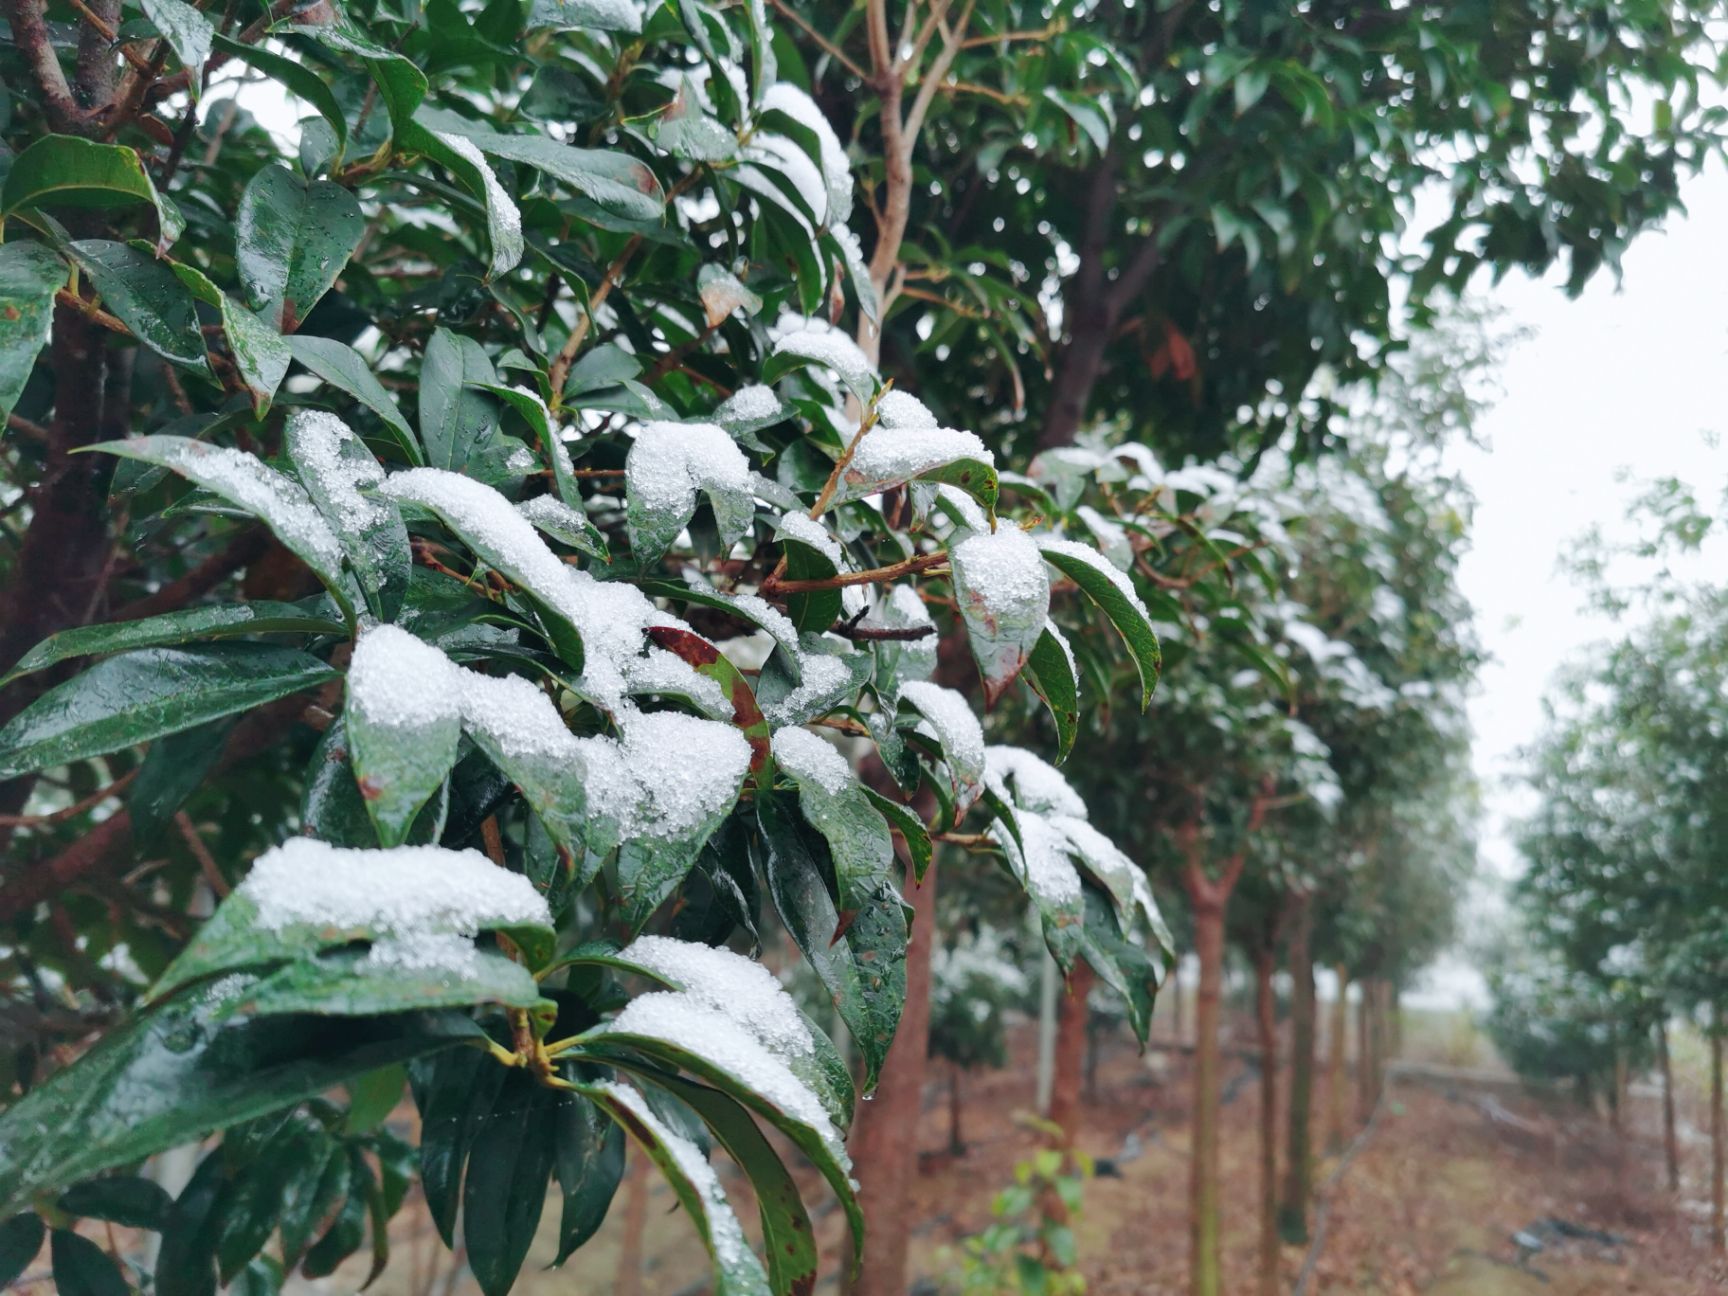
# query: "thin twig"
{"points": [[201, 852], [96, 798], [776, 585], [828, 47], [35, 431]]}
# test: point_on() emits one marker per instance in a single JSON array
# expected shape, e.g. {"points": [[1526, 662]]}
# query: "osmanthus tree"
{"points": [[1224, 198], [432, 483]]}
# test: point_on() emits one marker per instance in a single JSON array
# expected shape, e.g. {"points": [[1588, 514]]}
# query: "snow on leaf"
{"points": [[340, 472], [948, 717], [1113, 592], [667, 465], [889, 457], [834, 803], [784, 97], [404, 720], [814, 342], [1004, 598], [1031, 783]]}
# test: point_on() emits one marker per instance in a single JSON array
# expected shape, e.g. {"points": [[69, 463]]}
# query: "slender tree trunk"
{"points": [[1299, 1152], [1337, 1045], [628, 1280], [1670, 1138], [1049, 995], [1265, 963], [1617, 1095], [884, 1142], [1365, 1050], [1203, 1182], [1181, 1023], [1718, 1153], [956, 1142], [1394, 1028], [1071, 1018], [1092, 1052]]}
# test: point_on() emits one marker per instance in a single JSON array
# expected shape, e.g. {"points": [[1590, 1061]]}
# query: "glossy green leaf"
{"points": [[454, 418], [188, 32], [341, 475], [146, 296], [788, 1240], [864, 971], [616, 182], [401, 85], [859, 843], [341, 366], [913, 830], [131, 1200], [292, 238], [349, 984], [1054, 677], [145, 694], [509, 1167], [1113, 592], [219, 622], [20, 1240], [297, 77], [737, 1271], [69, 171], [454, 1091], [81, 1268], [276, 499], [180, 1071], [589, 1162], [30, 275], [462, 158]]}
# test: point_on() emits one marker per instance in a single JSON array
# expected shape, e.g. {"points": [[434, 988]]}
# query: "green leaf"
{"points": [[1112, 591], [737, 1271], [911, 828], [589, 1162], [509, 1167], [124, 1199], [813, 610], [787, 1237], [313, 1193], [177, 1072], [145, 694], [30, 275], [617, 182], [583, 15], [292, 238], [454, 420], [350, 984], [81, 1268], [146, 296], [341, 475], [188, 32], [463, 158], [1055, 678], [248, 483], [454, 1092], [260, 354], [401, 85], [373, 1097], [864, 971], [20, 1240], [173, 769], [218, 622], [69, 171], [340, 365], [403, 746], [297, 77], [1004, 599], [859, 843]]}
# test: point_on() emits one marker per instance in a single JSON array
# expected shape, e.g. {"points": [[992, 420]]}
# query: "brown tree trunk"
{"points": [[1617, 1095], [1265, 963], [956, 1142], [1299, 1152], [1364, 1049], [1718, 1153], [1203, 1170], [628, 1280], [1670, 1138], [1337, 1045], [1071, 1017], [884, 1142], [1181, 1023]]}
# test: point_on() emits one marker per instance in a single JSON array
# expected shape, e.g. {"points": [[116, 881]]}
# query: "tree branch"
{"points": [[30, 35], [827, 46], [775, 585]]}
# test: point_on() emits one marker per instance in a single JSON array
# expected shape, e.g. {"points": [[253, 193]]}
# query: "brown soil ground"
{"points": [[1429, 1204]]}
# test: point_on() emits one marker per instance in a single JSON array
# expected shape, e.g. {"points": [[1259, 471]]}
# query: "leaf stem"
{"points": [[922, 563]]}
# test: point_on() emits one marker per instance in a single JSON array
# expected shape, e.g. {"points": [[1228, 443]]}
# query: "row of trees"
{"points": [[524, 455]]}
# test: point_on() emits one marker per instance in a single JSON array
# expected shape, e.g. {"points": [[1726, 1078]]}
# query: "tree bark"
{"points": [[1180, 1025], [956, 1141], [628, 1280], [1299, 1153], [1265, 963], [1718, 1153], [1071, 1019], [1364, 1050], [1670, 1137], [1203, 1169], [1336, 1074], [884, 1142]]}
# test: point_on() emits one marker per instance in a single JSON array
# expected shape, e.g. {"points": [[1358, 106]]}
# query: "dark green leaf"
{"points": [[454, 419], [187, 31], [81, 1268], [147, 297], [589, 1161], [340, 365], [182, 1070], [1054, 678], [124, 1199], [911, 828], [292, 238], [145, 694], [1112, 591], [509, 1167], [69, 171], [30, 275], [20, 1240], [339, 473], [297, 77]]}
